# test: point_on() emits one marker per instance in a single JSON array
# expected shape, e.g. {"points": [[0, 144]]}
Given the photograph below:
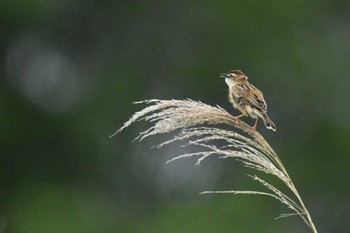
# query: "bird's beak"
{"points": [[223, 75]]}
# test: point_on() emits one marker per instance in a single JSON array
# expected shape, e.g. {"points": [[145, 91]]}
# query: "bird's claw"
{"points": [[252, 130]]}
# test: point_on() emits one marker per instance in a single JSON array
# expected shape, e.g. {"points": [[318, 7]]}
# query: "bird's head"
{"points": [[233, 76]]}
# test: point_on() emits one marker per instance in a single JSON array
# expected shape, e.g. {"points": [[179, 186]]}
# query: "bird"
{"points": [[247, 99]]}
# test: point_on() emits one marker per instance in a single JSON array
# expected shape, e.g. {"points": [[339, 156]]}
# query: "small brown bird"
{"points": [[247, 98]]}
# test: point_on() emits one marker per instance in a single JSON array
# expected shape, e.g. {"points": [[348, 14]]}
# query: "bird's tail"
{"points": [[268, 122]]}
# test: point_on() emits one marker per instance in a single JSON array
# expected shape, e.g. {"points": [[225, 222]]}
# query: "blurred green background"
{"points": [[70, 71]]}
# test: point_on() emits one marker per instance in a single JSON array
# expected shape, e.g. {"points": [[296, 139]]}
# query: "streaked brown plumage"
{"points": [[247, 98]]}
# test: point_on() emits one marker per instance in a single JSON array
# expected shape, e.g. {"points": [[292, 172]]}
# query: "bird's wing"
{"points": [[250, 95]]}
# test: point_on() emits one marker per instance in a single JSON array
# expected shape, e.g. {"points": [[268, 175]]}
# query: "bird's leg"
{"points": [[254, 127], [238, 117]]}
